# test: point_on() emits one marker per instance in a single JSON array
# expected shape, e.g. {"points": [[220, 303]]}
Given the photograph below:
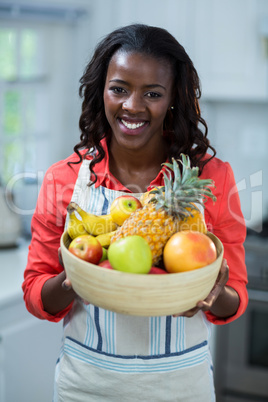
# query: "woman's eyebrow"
{"points": [[118, 81]]}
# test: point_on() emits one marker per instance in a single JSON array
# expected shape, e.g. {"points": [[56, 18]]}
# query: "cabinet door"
{"points": [[28, 354], [229, 50]]}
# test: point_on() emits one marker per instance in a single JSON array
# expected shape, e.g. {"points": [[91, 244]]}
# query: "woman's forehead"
{"points": [[138, 64]]}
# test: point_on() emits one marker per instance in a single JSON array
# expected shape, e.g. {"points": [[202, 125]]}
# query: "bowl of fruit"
{"points": [[145, 258]]}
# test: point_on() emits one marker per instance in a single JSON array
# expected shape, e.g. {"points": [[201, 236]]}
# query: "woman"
{"points": [[140, 108]]}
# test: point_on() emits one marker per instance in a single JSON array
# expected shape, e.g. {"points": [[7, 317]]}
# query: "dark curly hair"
{"points": [[182, 123]]}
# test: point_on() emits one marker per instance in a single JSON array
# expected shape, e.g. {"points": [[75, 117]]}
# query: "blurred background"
{"points": [[44, 48]]}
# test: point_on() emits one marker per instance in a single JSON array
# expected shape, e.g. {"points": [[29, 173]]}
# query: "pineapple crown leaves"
{"points": [[182, 190]]}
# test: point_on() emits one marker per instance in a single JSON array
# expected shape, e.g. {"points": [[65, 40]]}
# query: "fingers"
{"points": [[221, 281], [85, 302], [206, 304], [223, 274], [60, 257], [188, 313], [66, 284]]}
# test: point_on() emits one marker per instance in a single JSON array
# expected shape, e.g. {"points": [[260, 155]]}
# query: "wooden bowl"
{"points": [[137, 294]]}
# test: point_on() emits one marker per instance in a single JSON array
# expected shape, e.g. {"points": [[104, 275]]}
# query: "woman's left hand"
{"points": [[218, 287]]}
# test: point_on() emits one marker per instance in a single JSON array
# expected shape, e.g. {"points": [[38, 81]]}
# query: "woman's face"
{"points": [[137, 95]]}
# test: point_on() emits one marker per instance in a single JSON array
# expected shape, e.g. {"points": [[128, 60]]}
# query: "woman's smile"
{"points": [[132, 127]]}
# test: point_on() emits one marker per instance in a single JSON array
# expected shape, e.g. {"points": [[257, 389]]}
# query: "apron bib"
{"points": [[106, 356]]}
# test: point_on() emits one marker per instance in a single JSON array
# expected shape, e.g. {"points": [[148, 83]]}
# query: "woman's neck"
{"points": [[136, 169]]}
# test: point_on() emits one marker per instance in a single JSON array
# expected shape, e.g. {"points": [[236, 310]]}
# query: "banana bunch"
{"points": [[103, 227], [75, 226], [100, 226]]}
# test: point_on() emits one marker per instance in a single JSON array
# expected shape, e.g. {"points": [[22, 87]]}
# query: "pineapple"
{"points": [[146, 197], [168, 210]]}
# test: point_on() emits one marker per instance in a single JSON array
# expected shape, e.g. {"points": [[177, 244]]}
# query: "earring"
{"points": [[172, 107]]}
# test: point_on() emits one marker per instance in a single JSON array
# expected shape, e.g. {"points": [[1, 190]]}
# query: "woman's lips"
{"points": [[131, 127]]}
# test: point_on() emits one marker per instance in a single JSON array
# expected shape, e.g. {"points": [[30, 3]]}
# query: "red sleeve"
{"points": [[47, 227], [225, 219]]}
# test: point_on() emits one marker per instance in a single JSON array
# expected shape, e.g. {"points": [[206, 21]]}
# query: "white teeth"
{"points": [[132, 126]]}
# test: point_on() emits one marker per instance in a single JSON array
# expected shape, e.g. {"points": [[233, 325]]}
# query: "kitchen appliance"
{"points": [[10, 223], [241, 357]]}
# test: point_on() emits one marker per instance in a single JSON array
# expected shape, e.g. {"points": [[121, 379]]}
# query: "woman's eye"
{"points": [[153, 95], [117, 90]]}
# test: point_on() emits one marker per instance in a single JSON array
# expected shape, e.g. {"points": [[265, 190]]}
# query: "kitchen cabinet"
{"points": [[225, 39], [28, 354], [230, 52], [29, 347]]}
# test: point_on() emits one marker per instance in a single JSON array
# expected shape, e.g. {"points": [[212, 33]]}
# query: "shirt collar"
{"points": [[106, 179]]}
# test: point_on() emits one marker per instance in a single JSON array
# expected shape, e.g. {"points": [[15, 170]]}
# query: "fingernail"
{"points": [[65, 286]]}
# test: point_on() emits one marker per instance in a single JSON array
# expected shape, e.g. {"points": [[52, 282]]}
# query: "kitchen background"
{"points": [[44, 48]]}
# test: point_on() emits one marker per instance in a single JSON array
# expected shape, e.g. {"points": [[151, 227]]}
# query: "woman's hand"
{"points": [[66, 284], [218, 289], [57, 292]]}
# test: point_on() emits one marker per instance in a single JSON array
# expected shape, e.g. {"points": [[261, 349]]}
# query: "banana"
{"points": [[94, 224], [105, 239], [75, 226]]}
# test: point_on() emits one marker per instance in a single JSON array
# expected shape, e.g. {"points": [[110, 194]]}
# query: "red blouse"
{"points": [[224, 218]]}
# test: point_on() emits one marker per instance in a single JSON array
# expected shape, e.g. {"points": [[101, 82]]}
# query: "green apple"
{"points": [[104, 254], [131, 254]]}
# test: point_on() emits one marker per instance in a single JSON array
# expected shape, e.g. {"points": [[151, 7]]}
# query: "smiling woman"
{"points": [[140, 113], [137, 95], [138, 88]]}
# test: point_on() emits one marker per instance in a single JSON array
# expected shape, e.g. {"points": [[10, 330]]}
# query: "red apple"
{"points": [[105, 264], [157, 270], [86, 247], [122, 207]]}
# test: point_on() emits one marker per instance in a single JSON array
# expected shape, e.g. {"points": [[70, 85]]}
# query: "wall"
{"points": [[239, 132], [224, 42], [230, 54]]}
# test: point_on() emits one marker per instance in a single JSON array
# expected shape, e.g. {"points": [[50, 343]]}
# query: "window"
{"points": [[23, 98], [38, 104]]}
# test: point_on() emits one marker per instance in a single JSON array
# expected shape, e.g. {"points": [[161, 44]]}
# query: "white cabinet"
{"points": [[229, 50], [222, 38], [28, 352], [29, 347]]}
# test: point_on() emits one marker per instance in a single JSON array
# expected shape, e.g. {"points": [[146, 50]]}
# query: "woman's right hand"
{"points": [[57, 292], [66, 284]]}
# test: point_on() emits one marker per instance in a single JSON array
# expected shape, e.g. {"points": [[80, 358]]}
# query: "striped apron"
{"points": [[110, 357]]}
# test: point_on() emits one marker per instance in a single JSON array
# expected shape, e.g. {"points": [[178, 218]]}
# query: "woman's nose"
{"points": [[134, 104]]}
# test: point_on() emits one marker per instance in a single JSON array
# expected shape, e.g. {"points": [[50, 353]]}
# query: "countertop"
{"points": [[12, 265]]}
